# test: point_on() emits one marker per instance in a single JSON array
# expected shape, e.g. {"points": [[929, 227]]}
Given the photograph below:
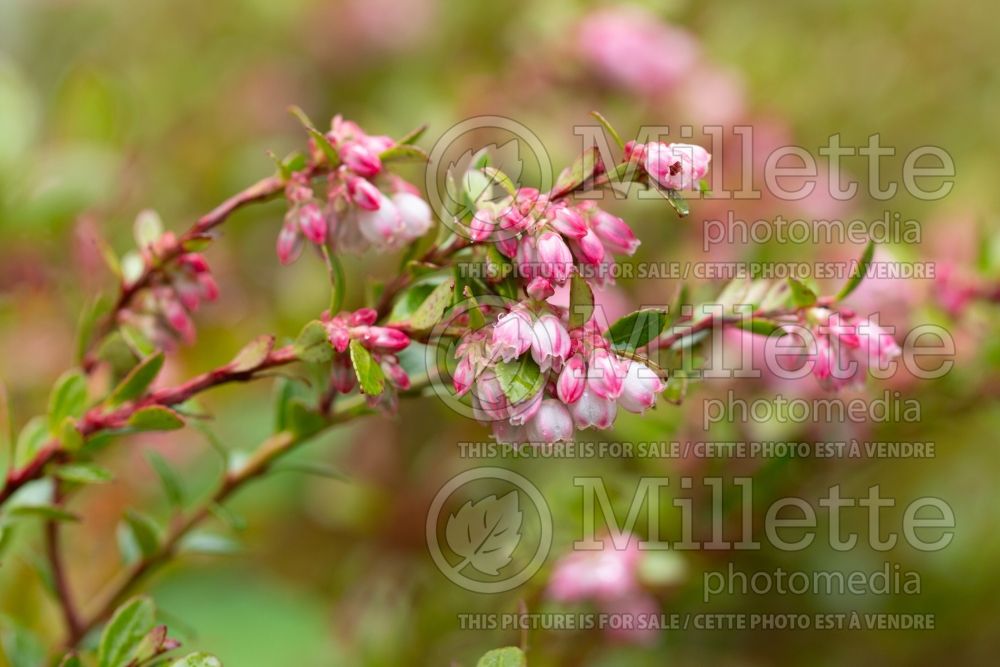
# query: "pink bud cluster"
{"points": [[840, 347], [547, 239], [382, 342], [365, 205], [673, 166], [163, 314], [583, 382], [608, 578]]}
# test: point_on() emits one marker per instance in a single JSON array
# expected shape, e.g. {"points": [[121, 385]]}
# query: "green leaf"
{"points": [[137, 341], [430, 311], [253, 354], [209, 544], [501, 179], [413, 135], [678, 203], [47, 512], [313, 345], [68, 399], [30, 440], [97, 309], [83, 473], [155, 418], [409, 301], [579, 172], [519, 379], [860, 270], [636, 329], [147, 228], [69, 435], [125, 631], [138, 380], [403, 152], [197, 660], [802, 296], [329, 152], [609, 128], [335, 274], [581, 302], [150, 646], [139, 535], [171, 483], [370, 376], [511, 656], [227, 516], [71, 660], [761, 327]]}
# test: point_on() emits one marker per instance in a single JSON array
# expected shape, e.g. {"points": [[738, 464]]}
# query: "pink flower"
{"points": [[635, 50], [881, 346], [551, 423], [312, 222], [550, 343], [512, 335], [676, 166], [572, 380], [381, 227], [540, 288], [639, 388], [569, 222], [490, 397], [591, 250], [555, 257], [464, 374], [592, 410], [609, 574]]}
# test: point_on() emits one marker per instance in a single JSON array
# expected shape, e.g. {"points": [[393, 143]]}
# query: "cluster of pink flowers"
{"points": [[382, 342], [365, 204], [673, 166], [582, 381], [546, 239], [609, 579], [163, 314], [840, 348]]}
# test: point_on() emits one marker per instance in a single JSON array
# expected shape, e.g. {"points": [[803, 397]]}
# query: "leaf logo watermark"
{"points": [[485, 532]]}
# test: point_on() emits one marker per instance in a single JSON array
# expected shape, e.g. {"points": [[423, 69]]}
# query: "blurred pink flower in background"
{"points": [[633, 49]]}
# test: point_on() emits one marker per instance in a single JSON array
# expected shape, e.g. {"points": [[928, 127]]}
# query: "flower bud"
{"points": [[572, 380], [312, 222], [551, 423], [590, 248], [540, 288], [676, 166], [639, 388], [385, 339], [178, 318], [569, 222], [464, 374], [363, 193], [360, 160], [397, 376], [550, 343], [490, 397], [343, 377], [363, 317], [556, 261], [481, 226], [289, 245], [616, 236], [604, 374]]}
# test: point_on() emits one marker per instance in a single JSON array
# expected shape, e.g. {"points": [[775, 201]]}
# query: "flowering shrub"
{"points": [[534, 371]]}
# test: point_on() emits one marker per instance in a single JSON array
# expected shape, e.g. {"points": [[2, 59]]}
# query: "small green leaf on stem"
{"points": [[370, 376], [83, 473], [609, 128], [253, 354], [138, 380], [125, 631], [802, 295], [510, 656], [859, 273], [519, 379], [155, 418], [169, 480], [197, 660], [68, 399], [413, 135], [433, 307], [324, 145], [761, 327], [636, 329], [313, 345]]}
